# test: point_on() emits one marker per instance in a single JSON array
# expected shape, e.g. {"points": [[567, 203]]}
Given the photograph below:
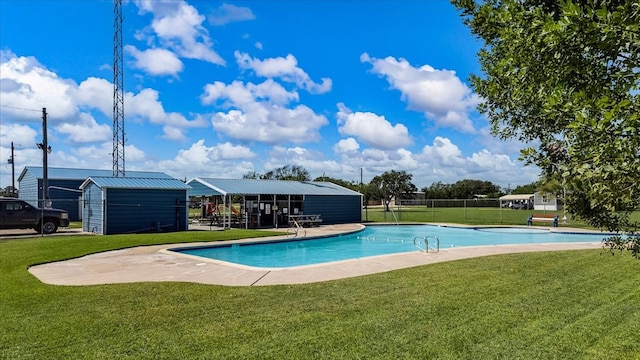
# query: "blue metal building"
{"points": [[120, 205], [267, 203], [64, 186]]}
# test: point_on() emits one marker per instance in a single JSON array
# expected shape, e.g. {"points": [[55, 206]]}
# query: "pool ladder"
{"points": [[422, 243]]}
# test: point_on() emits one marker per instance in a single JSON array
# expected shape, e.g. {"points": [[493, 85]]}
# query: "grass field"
{"points": [[469, 216], [557, 305]]}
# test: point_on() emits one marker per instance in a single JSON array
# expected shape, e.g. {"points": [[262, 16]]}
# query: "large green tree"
{"points": [[392, 184], [564, 77]]}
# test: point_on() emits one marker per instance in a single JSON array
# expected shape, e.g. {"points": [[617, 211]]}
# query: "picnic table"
{"points": [[305, 220]]}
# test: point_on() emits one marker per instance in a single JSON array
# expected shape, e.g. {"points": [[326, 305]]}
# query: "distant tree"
{"points": [[463, 189], [344, 183], [526, 189], [287, 172], [466, 189], [369, 192], [8, 191], [251, 175], [392, 184], [437, 190]]}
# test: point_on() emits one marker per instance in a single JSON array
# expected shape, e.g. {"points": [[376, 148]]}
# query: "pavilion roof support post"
{"points": [[230, 212], [224, 215], [288, 208], [274, 206], [243, 211]]}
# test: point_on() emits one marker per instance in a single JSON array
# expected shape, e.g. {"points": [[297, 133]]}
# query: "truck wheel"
{"points": [[48, 227]]}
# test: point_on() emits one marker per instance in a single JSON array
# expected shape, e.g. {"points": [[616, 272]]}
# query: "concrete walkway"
{"points": [[156, 263]]}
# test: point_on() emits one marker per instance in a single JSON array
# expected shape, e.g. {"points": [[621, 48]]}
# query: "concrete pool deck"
{"points": [[155, 263]]}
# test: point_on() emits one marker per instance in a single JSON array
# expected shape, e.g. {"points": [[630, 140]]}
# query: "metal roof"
{"points": [[135, 183], [82, 174], [274, 187], [516, 197]]}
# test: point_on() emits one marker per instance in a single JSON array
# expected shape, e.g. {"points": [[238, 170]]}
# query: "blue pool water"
{"points": [[372, 241]]}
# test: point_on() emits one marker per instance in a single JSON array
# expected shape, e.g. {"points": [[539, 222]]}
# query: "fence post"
{"points": [[465, 211], [433, 211]]}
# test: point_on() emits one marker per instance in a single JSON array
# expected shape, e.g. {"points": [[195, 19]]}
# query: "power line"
{"points": [[19, 108]]}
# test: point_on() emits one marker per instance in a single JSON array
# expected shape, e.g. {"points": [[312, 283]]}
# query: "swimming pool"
{"points": [[373, 241]]}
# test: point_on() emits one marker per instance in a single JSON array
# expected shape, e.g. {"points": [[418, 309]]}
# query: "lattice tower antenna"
{"points": [[118, 92]]}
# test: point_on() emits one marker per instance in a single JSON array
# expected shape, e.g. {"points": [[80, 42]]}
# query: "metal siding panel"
{"points": [[28, 187], [66, 199], [92, 213], [199, 189], [139, 210], [334, 209]]}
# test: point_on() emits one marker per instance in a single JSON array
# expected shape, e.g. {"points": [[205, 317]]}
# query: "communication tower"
{"points": [[118, 92]]}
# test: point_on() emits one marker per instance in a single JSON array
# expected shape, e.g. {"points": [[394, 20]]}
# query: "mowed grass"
{"points": [[469, 216], [554, 305]]}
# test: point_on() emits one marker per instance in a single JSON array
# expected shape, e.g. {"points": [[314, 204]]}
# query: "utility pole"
{"points": [[13, 172], [46, 150]]}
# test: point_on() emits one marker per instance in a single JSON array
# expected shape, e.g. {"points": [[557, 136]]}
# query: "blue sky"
{"points": [[220, 89]]}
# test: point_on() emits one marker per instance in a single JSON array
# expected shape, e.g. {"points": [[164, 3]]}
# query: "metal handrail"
{"points": [[425, 240], [416, 244]]}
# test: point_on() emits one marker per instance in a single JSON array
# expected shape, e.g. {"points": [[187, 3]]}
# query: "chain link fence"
{"points": [[481, 211]]}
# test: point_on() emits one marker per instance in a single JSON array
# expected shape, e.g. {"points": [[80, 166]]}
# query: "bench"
{"points": [[552, 218]]}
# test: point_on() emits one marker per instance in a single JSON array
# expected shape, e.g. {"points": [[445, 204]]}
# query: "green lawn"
{"points": [[558, 305], [469, 216]]}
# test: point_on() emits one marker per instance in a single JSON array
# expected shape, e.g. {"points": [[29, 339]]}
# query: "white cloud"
{"points": [[173, 133], [446, 161], [382, 160], [178, 27], [444, 152], [200, 154], [146, 105], [224, 160], [260, 113], [95, 93], [155, 61], [243, 96], [86, 130], [372, 129], [346, 146], [26, 84], [270, 124], [439, 94], [285, 69], [227, 13], [20, 135], [95, 157], [312, 160]]}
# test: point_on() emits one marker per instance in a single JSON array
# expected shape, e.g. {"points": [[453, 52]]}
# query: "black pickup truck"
{"points": [[19, 214]]}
